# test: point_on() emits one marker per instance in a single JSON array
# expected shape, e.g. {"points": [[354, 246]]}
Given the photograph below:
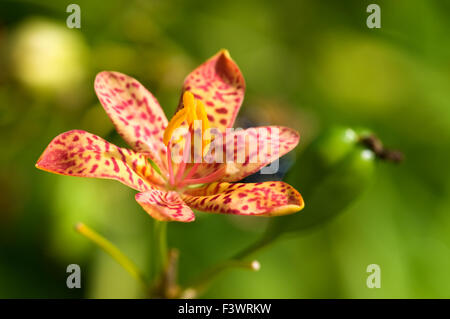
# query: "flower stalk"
{"points": [[113, 251], [198, 286], [159, 248]]}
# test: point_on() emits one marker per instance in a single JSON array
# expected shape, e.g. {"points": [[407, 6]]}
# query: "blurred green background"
{"points": [[308, 65]]}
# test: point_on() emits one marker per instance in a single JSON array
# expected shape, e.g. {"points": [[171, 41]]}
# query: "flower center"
{"points": [[193, 117], [193, 110]]}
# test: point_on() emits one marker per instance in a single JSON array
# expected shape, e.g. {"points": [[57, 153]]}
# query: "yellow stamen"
{"points": [[189, 105], [201, 114], [193, 110], [174, 123]]}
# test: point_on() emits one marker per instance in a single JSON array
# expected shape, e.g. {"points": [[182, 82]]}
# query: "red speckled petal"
{"points": [[219, 84], [267, 199], [165, 206], [262, 146], [135, 113], [253, 148], [79, 153]]}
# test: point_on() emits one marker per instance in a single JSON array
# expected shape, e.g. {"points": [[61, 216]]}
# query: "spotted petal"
{"points": [[267, 199], [165, 206], [257, 147], [245, 152], [135, 112], [219, 84], [79, 153]]}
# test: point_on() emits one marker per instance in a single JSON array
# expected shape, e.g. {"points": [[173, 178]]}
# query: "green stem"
{"points": [[201, 284], [159, 248], [262, 243], [198, 286], [113, 251]]}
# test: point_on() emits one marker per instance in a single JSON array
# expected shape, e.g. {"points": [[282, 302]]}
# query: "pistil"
{"points": [[186, 153], [207, 179]]}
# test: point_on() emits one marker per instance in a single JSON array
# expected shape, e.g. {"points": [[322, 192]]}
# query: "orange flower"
{"points": [[212, 94]]}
